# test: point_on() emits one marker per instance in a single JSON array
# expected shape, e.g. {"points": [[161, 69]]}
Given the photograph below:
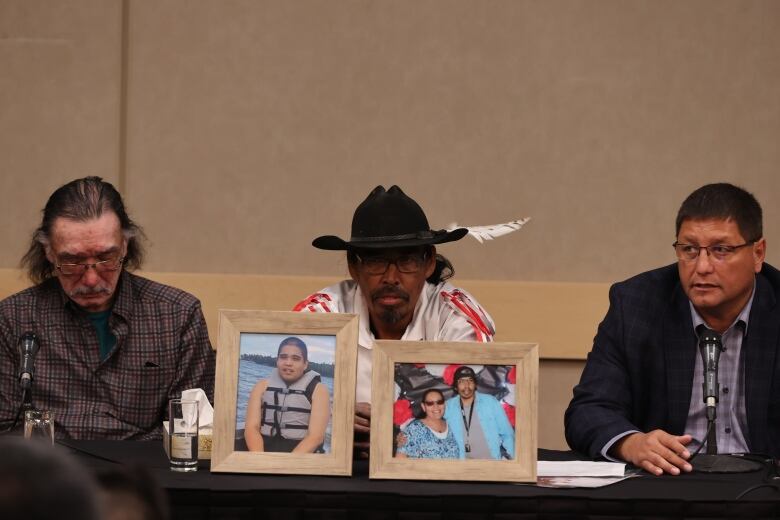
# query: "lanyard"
{"points": [[467, 424]]}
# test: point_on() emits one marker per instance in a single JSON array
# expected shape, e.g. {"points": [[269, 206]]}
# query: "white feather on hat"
{"points": [[482, 233]]}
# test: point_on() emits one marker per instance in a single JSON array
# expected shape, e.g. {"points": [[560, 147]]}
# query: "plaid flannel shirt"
{"points": [[162, 348]]}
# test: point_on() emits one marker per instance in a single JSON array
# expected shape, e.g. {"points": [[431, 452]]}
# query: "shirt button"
{"points": [[728, 430], [725, 390]]}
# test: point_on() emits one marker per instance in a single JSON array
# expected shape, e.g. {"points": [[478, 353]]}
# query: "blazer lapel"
{"points": [[759, 351], [679, 342]]}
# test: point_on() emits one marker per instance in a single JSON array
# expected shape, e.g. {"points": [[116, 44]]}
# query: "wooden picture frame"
{"points": [[390, 355], [226, 456]]}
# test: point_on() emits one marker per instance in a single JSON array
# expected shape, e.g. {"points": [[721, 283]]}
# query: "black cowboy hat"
{"points": [[389, 219]]}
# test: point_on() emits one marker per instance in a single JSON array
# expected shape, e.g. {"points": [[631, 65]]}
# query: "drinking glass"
{"points": [[39, 425], [183, 434]]}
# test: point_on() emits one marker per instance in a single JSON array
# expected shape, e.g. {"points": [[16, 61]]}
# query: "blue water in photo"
{"points": [[250, 373]]}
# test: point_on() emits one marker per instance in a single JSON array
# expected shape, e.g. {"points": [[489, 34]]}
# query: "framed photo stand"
{"points": [[279, 375], [505, 392]]}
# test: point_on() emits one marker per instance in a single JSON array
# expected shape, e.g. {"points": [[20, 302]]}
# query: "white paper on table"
{"points": [[580, 482], [579, 468]]}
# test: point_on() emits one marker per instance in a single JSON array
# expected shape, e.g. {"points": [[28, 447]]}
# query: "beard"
{"points": [[390, 316]]}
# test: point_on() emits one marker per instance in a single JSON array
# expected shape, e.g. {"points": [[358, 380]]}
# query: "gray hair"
{"points": [[81, 200]]}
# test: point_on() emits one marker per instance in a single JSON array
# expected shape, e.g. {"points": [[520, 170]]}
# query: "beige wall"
{"points": [[240, 130], [556, 379], [59, 105]]}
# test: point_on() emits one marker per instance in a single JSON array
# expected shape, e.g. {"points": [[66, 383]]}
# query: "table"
{"points": [[203, 495]]}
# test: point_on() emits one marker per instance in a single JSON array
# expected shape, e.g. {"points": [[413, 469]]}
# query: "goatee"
{"points": [[390, 316]]}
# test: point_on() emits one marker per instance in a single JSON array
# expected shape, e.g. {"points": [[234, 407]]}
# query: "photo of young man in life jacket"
{"points": [[288, 411]]}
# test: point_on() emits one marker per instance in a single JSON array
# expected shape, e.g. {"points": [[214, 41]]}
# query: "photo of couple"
{"points": [[454, 421]]}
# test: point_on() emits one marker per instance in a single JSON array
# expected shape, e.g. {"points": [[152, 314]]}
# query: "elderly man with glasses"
{"points": [[643, 397], [113, 347], [398, 286]]}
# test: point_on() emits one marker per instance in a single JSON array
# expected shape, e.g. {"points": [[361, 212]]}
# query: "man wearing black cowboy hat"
{"points": [[398, 284], [478, 421]]}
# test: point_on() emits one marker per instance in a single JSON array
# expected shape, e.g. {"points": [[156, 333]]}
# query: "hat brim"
{"points": [[334, 243]]}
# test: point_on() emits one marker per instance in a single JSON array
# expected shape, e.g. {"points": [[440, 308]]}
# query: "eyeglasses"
{"points": [[431, 403], [719, 252], [103, 266], [407, 264]]}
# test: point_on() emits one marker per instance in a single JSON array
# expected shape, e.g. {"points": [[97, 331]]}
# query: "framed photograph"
{"points": [[284, 399], [454, 411]]}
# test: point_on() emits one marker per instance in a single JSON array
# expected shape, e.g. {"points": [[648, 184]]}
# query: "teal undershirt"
{"points": [[105, 337]]}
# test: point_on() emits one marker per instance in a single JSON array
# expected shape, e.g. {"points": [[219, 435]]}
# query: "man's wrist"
{"points": [[614, 444]]}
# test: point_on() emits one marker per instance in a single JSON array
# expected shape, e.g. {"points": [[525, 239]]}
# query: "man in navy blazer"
{"points": [[640, 395]]}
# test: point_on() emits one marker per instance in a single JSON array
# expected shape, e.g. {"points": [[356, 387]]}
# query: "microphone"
{"points": [[710, 346], [28, 348]]}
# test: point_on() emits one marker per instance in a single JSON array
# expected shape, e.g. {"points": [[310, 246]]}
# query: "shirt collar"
{"points": [[741, 317]]}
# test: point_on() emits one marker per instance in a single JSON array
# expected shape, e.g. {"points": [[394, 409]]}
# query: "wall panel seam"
{"points": [[123, 92]]}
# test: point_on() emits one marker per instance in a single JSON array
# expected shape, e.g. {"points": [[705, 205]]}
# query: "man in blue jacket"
{"points": [[478, 421], [640, 398]]}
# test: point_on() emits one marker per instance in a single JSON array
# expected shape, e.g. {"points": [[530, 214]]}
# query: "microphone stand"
{"points": [[712, 462], [26, 405], [25, 382]]}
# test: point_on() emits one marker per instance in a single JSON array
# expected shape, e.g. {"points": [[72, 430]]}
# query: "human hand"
{"points": [[362, 441], [656, 452], [362, 417], [361, 449]]}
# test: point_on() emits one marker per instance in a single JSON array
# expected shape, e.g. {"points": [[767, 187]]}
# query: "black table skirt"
{"points": [[203, 495]]}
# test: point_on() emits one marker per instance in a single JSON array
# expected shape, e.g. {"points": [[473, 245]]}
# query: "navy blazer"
{"points": [[639, 374]]}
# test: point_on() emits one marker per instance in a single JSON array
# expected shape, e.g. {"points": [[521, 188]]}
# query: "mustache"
{"points": [[88, 291], [389, 291]]}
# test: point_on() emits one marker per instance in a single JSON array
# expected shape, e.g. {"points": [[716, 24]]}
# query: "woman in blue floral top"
{"points": [[429, 437]]}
